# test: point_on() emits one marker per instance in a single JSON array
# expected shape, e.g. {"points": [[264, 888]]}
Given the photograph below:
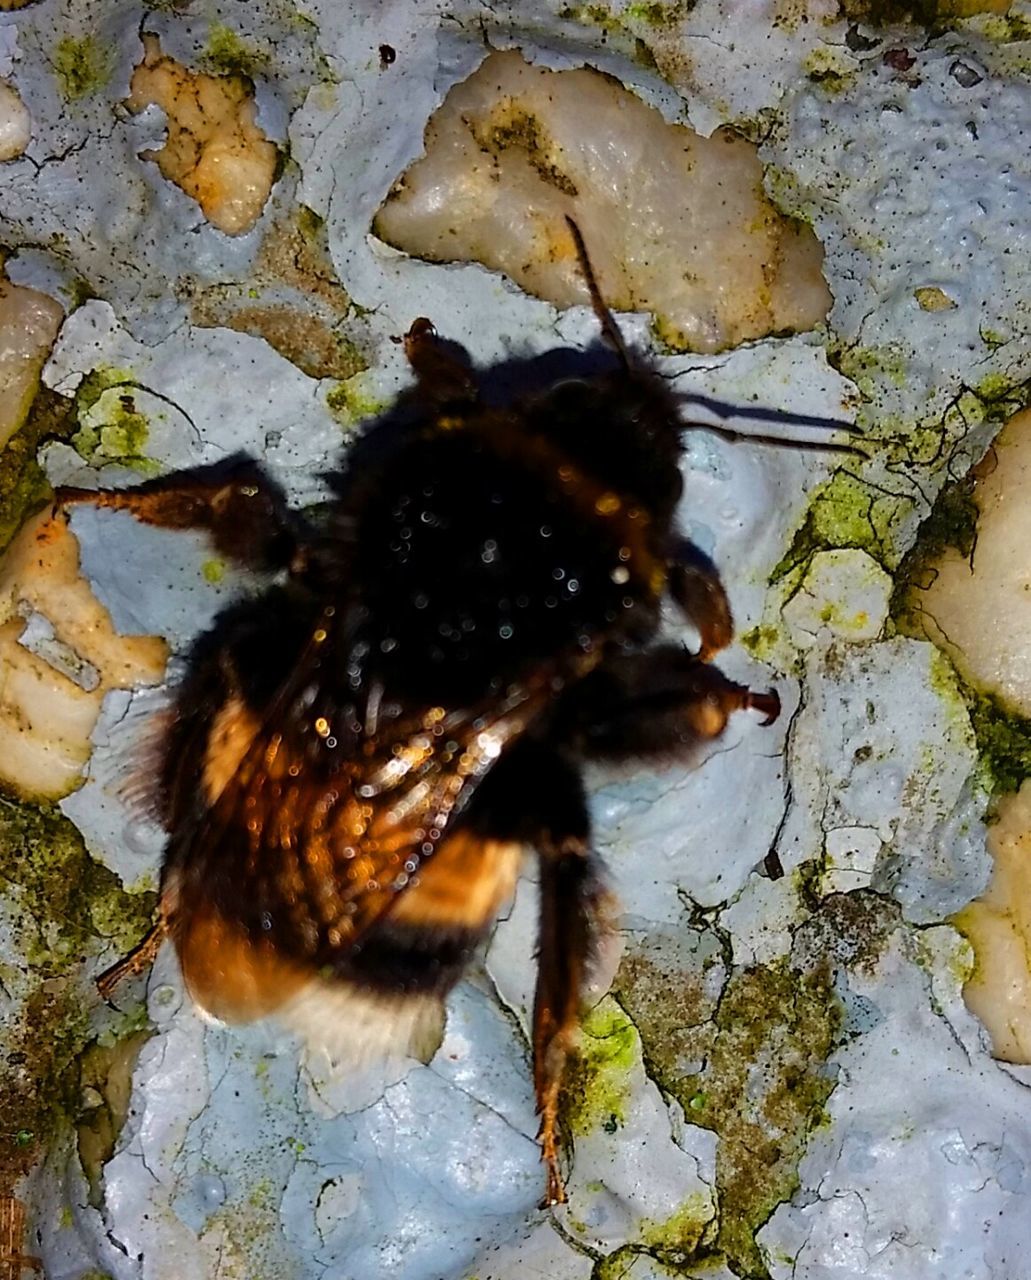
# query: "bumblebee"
{"points": [[359, 755]]}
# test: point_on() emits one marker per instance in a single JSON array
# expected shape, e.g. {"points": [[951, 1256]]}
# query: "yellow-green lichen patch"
{"points": [[213, 571], [597, 1088], [227, 53], [870, 367], [843, 595], [1003, 27], [111, 427], [351, 402], [762, 642], [647, 14], [999, 392], [677, 1240], [846, 511], [931, 298], [654, 14], [82, 66], [831, 68]]}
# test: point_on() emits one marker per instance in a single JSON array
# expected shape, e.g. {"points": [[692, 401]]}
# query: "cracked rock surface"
{"points": [[778, 1075]]}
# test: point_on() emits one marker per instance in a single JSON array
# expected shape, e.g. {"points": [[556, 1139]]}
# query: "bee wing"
{"points": [[323, 825]]}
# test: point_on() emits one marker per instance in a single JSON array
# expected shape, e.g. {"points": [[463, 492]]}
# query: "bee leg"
{"points": [[141, 957], [663, 702], [443, 378], [535, 796], [235, 501], [570, 891], [695, 586]]}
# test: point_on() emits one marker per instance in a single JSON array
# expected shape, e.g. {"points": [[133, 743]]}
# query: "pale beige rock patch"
{"points": [[50, 695], [215, 151], [29, 321], [676, 224], [15, 123], [978, 609], [998, 926]]}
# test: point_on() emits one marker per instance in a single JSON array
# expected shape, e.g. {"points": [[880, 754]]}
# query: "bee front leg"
{"points": [[663, 702], [443, 377], [235, 501], [695, 586], [570, 893]]}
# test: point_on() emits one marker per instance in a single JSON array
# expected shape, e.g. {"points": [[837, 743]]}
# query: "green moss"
{"points": [[1003, 740], [67, 908], [65, 899], [23, 485], [82, 66], [763, 1086], [227, 53], [951, 524], [597, 1084], [935, 15]]}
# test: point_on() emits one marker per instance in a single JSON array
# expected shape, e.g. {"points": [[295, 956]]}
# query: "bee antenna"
{"points": [[609, 329], [721, 410]]}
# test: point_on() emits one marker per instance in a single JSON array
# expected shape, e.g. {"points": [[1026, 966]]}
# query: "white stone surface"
{"points": [[243, 1158]]}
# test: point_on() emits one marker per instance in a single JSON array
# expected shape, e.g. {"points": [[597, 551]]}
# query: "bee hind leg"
{"points": [[141, 957], [535, 796], [570, 894], [235, 501]]}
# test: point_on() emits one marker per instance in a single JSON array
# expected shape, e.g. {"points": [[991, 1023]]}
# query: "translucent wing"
{"points": [[330, 814]]}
